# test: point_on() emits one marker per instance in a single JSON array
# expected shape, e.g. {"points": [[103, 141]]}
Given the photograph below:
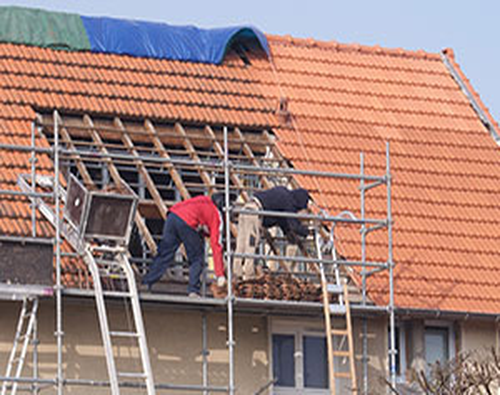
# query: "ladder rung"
{"points": [[124, 334], [340, 332], [342, 375], [334, 288], [107, 248], [341, 353], [113, 275], [133, 375], [337, 309], [105, 262], [117, 294]]}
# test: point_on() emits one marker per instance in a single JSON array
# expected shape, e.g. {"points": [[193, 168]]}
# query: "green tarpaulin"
{"points": [[43, 28]]}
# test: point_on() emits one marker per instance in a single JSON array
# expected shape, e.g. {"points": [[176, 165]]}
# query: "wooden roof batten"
{"points": [[115, 175], [148, 139]]}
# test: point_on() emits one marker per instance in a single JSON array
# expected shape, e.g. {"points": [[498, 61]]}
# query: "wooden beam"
{"points": [[163, 153], [127, 141], [194, 156], [115, 175], [80, 165], [220, 153]]}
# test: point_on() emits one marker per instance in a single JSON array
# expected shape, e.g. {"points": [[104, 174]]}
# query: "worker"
{"points": [[249, 225], [187, 223]]}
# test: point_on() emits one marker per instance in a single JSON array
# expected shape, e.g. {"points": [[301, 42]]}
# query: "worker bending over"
{"points": [[187, 223], [249, 225]]}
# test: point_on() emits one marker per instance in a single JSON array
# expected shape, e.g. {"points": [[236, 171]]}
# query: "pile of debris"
{"points": [[274, 287]]}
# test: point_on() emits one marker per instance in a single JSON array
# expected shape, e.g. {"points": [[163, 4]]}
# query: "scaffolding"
{"points": [[227, 163]]}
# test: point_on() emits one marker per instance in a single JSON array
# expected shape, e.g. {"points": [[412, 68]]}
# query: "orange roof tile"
{"points": [[343, 99]]}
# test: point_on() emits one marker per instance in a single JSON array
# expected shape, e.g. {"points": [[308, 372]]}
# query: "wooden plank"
{"points": [[339, 332], [194, 156], [220, 153], [115, 175], [127, 141], [163, 153], [250, 155], [80, 165]]}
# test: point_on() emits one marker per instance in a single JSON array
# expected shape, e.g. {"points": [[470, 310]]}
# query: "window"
{"points": [[283, 360], [299, 359], [315, 362], [436, 345]]}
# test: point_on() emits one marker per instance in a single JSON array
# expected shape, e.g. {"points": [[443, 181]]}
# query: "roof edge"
{"points": [[367, 49], [448, 57]]}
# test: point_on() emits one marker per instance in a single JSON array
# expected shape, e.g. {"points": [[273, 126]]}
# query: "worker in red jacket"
{"points": [[187, 223]]}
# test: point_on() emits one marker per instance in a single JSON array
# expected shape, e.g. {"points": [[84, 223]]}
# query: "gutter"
{"points": [[278, 307], [449, 60], [443, 314], [244, 305]]}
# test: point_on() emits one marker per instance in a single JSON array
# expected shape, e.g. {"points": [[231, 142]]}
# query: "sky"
{"points": [[471, 28]]}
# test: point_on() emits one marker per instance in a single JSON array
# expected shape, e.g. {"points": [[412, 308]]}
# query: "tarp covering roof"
{"points": [[126, 37]]}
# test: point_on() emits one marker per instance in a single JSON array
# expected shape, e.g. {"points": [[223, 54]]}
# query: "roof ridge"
{"points": [[353, 47]]}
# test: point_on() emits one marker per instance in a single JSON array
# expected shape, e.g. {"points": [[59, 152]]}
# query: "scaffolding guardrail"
{"points": [[228, 167]]}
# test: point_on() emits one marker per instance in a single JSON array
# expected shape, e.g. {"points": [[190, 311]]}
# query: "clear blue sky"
{"points": [[471, 28]]}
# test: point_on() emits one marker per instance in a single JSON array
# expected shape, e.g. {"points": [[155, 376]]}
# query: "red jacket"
{"points": [[201, 214]]}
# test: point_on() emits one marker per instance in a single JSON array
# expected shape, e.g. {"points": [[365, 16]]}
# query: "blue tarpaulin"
{"points": [[160, 40]]}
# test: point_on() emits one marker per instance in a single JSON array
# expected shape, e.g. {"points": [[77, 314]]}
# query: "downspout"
{"points": [[448, 58]]}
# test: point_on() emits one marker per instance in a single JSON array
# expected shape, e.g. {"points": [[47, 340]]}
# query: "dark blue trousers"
{"points": [[175, 233]]}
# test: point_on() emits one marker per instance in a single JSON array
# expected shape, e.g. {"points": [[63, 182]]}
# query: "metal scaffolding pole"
{"points": [[33, 179], [390, 262], [230, 301], [59, 328], [204, 352], [35, 388], [375, 180], [367, 225], [124, 384], [363, 275]]}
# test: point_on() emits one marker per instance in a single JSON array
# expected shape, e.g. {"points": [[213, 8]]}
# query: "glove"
{"points": [[221, 281]]}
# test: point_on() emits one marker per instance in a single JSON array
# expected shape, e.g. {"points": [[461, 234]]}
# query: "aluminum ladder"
{"points": [[24, 336], [340, 309], [106, 264], [110, 265]]}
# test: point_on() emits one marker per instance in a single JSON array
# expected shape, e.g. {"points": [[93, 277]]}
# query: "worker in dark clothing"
{"points": [[187, 223], [274, 199]]}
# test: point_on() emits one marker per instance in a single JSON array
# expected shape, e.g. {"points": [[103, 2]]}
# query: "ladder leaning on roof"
{"points": [[339, 309], [107, 261]]}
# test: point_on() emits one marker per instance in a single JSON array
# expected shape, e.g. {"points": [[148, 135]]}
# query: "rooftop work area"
{"points": [[381, 139]]}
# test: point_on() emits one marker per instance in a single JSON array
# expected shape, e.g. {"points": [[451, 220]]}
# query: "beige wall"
{"points": [[477, 335], [174, 359]]}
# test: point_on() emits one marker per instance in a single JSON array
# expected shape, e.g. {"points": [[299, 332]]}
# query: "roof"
{"points": [[342, 99]]}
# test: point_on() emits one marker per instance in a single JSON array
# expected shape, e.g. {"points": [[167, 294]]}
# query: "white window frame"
{"points": [[401, 377], [299, 329], [451, 334], [403, 349]]}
